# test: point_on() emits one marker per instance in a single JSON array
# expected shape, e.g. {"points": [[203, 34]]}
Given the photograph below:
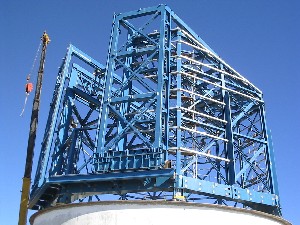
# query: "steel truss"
{"points": [[166, 119]]}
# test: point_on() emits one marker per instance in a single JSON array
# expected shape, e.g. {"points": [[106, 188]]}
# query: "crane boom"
{"points": [[32, 135]]}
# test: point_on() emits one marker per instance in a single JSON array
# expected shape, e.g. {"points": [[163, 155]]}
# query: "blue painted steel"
{"points": [[66, 79], [167, 118], [229, 146]]}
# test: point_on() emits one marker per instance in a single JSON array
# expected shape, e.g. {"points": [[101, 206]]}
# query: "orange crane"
{"points": [[32, 135]]}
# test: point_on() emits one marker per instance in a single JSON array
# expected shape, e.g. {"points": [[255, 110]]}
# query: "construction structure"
{"points": [[165, 120]]}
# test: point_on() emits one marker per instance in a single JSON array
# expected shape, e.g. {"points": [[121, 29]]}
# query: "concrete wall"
{"points": [[150, 213]]}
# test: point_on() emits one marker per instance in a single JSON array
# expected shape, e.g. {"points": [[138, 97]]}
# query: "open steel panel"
{"points": [[69, 138], [166, 119]]}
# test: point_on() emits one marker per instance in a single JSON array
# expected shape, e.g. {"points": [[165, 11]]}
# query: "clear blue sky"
{"points": [[260, 39]]}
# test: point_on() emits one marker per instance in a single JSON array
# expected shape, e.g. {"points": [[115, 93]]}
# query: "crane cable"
{"points": [[29, 86]]}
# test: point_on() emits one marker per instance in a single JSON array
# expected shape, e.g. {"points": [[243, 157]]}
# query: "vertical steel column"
{"points": [[160, 80], [103, 116], [64, 126], [124, 107], [274, 181], [270, 160], [168, 24], [229, 146], [178, 114], [229, 149]]}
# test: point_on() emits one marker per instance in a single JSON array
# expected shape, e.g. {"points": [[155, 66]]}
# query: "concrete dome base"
{"points": [[150, 213]]}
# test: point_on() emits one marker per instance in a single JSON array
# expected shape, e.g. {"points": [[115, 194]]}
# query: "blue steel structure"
{"points": [[165, 119]]}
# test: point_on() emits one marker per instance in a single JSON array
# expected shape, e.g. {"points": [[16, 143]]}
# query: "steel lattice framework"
{"points": [[166, 119]]}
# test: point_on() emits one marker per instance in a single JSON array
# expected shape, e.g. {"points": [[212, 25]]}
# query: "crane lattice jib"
{"points": [[166, 118]]}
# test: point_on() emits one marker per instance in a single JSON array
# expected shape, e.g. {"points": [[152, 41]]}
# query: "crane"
{"points": [[32, 134]]}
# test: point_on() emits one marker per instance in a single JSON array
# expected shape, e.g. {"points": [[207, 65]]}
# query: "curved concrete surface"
{"points": [[150, 213]]}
